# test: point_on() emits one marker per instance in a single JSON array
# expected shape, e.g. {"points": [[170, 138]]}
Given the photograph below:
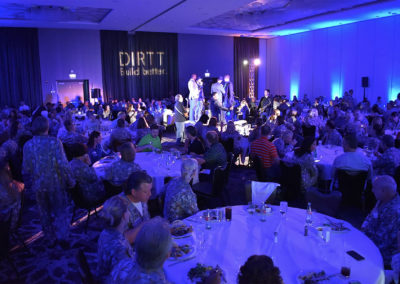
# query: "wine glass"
{"points": [[283, 207]]}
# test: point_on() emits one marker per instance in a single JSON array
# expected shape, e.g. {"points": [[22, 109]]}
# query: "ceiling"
{"points": [[261, 18]]}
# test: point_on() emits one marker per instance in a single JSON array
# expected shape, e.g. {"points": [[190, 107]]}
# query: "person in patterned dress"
{"points": [[46, 168], [383, 222], [389, 160], [92, 188], [113, 247], [137, 193], [153, 245], [180, 200], [120, 170]]}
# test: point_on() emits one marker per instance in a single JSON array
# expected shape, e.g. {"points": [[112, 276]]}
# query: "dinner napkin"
{"points": [[260, 191]]}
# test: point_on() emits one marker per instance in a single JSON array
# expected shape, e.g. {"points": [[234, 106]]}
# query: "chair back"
{"points": [[352, 185], [67, 151], [112, 189], [290, 180], [84, 269], [397, 178], [5, 234], [80, 200], [259, 167], [308, 130], [218, 181], [228, 144]]}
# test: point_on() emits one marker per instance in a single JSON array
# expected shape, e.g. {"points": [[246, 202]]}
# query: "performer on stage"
{"points": [[266, 103], [180, 114], [193, 96], [200, 103], [229, 99], [219, 89], [216, 106]]}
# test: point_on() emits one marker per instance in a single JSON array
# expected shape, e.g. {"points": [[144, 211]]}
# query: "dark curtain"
{"points": [[244, 48], [114, 85], [20, 78], [144, 65]]}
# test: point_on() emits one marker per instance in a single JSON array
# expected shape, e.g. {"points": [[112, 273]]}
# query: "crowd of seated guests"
{"points": [[32, 151]]}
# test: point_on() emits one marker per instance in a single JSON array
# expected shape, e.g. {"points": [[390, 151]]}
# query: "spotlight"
{"points": [[245, 62], [257, 61], [207, 74], [72, 75]]}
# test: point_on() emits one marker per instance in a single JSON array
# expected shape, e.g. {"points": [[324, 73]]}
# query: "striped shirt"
{"points": [[265, 150]]}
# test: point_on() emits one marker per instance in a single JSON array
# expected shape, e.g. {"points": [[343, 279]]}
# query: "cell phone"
{"points": [[355, 255]]}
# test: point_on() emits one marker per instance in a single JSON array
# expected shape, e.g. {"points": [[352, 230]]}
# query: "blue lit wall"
{"points": [[327, 62]]}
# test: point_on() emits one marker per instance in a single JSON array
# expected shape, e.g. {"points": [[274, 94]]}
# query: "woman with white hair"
{"points": [[153, 245], [112, 245], [180, 200]]}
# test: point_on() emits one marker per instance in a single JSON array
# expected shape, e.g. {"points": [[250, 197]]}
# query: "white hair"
{"points": [[188, 166], [153, 244]]}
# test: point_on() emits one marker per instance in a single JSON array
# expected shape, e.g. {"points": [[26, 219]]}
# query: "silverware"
{"points": [[182, 260]]}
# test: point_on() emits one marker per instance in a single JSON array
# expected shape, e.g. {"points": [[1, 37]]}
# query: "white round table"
{"points": [[154, 166], [229, 244]]}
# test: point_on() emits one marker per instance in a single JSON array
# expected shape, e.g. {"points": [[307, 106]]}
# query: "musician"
{"points": [[266, 104], [180, 114], [229, 98], [200, 103], [193, 95], [219, 89], [216, 106]]}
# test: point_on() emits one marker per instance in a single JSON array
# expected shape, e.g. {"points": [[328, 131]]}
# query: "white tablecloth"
{"points": [[229, 244], [153, 165]]}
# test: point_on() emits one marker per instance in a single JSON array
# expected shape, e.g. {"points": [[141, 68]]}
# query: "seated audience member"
{"points": [[152, 246], [395, 262], [119, 135], [266, 151], [121, 115], [332, 136], [70, 136], [151, 141], [10, 195], [141, 127], [351, 160], [256, 132], [259, 269], [137, 193], [232, 133], [92, 188], [194, 145], [180, 200], [120, 170], [285, 144], [92, 123], [201, 125], [304, 157], [212, 126], [112, 244], [95, 149], [387, 163], [383, 222], [215, 155]]}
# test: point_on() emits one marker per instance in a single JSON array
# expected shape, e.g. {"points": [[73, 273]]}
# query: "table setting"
{"points": [[325, 252]]}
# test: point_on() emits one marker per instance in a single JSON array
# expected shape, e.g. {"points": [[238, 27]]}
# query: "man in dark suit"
{"points": [[265, 104], [216, 107], [229, 98]]}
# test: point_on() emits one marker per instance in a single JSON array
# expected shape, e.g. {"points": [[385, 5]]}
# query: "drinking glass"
{"points": [[263, 213], [251, 208], [283, 207]]}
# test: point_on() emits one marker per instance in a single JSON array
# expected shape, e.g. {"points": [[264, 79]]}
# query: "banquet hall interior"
{"points": [[200, 141]]}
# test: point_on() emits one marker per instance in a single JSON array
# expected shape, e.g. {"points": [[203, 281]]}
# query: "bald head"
{"points": [[384, 188]]}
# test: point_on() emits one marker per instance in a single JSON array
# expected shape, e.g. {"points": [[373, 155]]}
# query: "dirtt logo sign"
{"points": [[146, 63]]}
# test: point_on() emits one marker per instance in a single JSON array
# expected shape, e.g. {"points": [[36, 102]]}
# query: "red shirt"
{"points": [[265, 150]]}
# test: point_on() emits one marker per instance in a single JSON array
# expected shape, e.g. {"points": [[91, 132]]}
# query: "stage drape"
{"points": [[20, 78], [144, 65], [244, 48]]}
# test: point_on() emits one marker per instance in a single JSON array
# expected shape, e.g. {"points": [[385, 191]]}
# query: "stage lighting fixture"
{"points": [[245, 62], [257, 61]]}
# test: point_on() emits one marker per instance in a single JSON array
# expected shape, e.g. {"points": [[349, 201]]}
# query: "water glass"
{"points": [[263, 213], [251, 208], [220, 214], [283, 207]]}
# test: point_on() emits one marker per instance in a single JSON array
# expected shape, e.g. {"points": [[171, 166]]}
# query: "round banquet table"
{"points": [[153, 164], [229, 244]]}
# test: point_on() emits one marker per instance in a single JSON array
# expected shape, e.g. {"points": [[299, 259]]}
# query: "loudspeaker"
{"points": [[365, 82], [96, 93]]}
